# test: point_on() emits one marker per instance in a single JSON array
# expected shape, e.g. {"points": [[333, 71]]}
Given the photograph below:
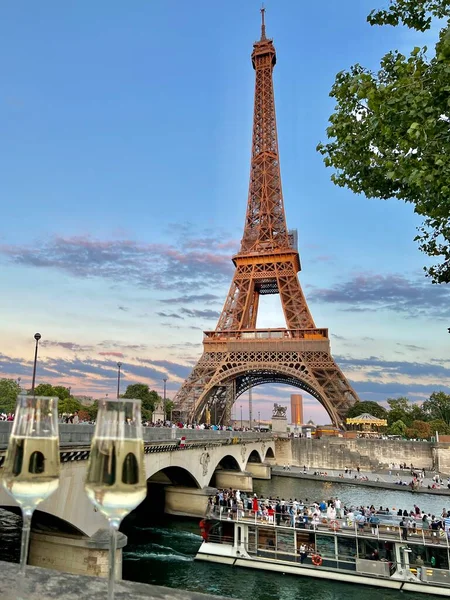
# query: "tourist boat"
{"points": [[336, 551]]}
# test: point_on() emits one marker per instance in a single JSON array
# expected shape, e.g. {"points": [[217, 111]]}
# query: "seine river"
{"points": [[163, 554]]}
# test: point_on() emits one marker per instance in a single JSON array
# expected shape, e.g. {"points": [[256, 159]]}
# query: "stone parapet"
{"points": [[45, 584]]}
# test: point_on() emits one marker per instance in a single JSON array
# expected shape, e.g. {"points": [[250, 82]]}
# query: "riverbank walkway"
{"points": [[381, 479]]}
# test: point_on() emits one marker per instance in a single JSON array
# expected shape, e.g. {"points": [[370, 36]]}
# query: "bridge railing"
{"points": [[81, 434]]}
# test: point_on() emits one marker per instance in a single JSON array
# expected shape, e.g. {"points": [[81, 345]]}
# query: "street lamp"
{"points": [[119, 364], [165, 412], [259, 419], [241, 417], [37, 337]]}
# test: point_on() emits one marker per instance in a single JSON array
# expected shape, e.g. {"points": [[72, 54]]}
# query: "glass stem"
{"points": [[26, 528], [113, 528]]}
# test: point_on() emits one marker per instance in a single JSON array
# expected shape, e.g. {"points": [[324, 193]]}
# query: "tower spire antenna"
{"points": [[263, 24]]}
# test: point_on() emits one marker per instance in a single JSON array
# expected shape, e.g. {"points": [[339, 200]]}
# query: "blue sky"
{"points": [[124, 153]]}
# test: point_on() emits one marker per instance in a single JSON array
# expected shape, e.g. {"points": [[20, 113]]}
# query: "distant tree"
{"points": [[9, 390], [169, 407], [146, 414], [62, 392], [401, 409], [397, 428], [419, 430], [142, 392], [401, 403], [44, 389], [440, 426], [91, 410], [438, 407], [68, 405], [367, 406]]}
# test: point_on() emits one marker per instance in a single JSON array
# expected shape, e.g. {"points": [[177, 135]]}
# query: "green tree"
{"points": [[401, 409], [389, 134], [44, 389], [142, 392], [440, 426], [401, 403], [438, 407], [367, 406], [92, 410], [169, 407], [62, 392], [398, 428], [69, 405], [9, 390]]}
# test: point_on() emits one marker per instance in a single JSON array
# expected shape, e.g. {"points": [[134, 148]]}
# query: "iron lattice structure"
{"points": [[237, 356]]}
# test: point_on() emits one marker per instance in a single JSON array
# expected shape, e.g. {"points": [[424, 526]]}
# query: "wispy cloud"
{"points": [[156, 266], [169, 315], [193, 298], [121, 345], [73, 346], [369, 292], [377, 366], [205, 314], [411, 347], [117, 354]]}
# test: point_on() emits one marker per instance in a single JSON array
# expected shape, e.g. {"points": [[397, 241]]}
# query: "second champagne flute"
{"points": [[115, 480]]}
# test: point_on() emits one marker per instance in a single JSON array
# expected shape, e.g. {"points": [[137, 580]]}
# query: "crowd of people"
{"points": [[232, 504]]}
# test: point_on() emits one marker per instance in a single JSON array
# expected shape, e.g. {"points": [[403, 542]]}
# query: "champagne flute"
{"points": [[115, 479], [31, 468]]}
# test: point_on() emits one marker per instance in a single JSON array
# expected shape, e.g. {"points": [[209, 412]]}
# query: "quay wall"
{"points": [[369, 455]]}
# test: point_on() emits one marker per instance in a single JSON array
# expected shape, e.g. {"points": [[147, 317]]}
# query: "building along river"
{"points": [[163, 553]]}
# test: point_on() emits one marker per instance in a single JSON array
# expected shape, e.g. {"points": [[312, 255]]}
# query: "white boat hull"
{"points": [[218, 553]]}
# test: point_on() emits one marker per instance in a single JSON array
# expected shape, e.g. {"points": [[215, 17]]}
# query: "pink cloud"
{"points": [[117, 354]]}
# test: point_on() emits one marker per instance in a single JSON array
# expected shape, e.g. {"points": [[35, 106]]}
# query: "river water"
{"points": [[163, 554]]}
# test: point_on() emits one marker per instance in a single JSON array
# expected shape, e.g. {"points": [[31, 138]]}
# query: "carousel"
{"points": [[367, 425]]}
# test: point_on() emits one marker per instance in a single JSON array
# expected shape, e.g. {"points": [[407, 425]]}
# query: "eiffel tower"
{"points": [[237, 356]]}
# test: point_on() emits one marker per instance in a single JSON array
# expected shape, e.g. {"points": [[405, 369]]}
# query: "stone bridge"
{"points": [[185, 472]]}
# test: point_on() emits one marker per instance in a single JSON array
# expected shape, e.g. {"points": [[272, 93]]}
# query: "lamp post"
{"points": [[37, 337], [259, 419], [165, 412], [241, 417], [119, 364]]}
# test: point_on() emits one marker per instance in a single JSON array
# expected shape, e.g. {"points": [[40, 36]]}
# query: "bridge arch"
{"points": [[254, 457], [228, 463], [269, 454], [174, 475]]}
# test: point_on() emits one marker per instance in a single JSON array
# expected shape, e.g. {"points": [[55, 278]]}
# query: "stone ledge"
{"points": [[44, 584]]}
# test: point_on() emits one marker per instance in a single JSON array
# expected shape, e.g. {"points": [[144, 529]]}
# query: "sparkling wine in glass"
{"points": [[31, 467], [115, 479]]}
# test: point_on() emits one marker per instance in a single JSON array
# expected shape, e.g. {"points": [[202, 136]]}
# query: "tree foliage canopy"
{"points": [[389, 136], [373, 408], [141, 391], [438, 407], [9, 390]]}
